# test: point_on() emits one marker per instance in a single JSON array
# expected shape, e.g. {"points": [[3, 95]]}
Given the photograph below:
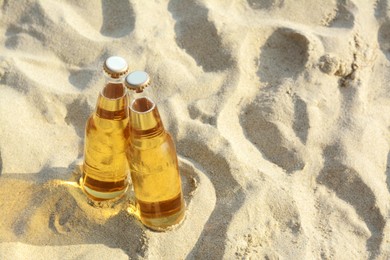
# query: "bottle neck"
{"points": [[144, 93], [113, 101], [144, 116]]}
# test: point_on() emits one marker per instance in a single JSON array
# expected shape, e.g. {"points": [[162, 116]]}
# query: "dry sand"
{"points": [[280, 111]]}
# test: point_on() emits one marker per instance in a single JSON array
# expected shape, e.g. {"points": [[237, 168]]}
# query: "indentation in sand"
{"points": [[301, 122], [343, 16], [229, 194], [13, 77], [18, 38], [349, 186], [55, 211], [265, 4], [204, 110], [284, 211], [198, 36], [388, 171], [190, 179], [77, 114], [262, 124], [1, 164], [81, 78], [118, 18], [69, 45], [334, 222], [381, 8], [31, 16], [384, 38], [284, 55], [262, 227], [23, 80], [285, 217]]}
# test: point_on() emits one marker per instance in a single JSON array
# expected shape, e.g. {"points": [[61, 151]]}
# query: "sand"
{"points": [[280, 111]]}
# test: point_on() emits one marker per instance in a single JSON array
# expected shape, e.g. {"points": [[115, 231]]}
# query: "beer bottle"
{"points": [[105, 168], [152, 160]]}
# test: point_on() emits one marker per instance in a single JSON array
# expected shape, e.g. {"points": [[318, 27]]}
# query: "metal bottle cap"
{"points": [[137, 80], [115, 66]]}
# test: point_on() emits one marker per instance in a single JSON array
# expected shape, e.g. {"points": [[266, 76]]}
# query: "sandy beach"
{"points": [[280, 111]]}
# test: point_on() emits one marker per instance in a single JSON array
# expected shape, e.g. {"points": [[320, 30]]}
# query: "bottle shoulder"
{"points": [[97, 124], [151, 142]]}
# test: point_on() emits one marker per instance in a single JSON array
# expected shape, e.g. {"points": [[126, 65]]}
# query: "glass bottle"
{"points": [[105, 168], [152, 160]]}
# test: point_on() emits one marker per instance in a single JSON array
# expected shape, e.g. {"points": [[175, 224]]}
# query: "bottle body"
{"points": [[105, 168], [154, 168]]}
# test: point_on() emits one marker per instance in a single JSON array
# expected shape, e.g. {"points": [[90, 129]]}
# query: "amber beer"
{"points": [[105, 168], [152, 160]]}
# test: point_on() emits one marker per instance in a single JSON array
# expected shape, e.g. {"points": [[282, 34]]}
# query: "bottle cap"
{"points": [[115, 67], [137, 80]]}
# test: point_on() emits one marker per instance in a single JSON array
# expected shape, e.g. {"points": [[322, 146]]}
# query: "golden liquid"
{"points": [[105, 169], [154, 168]]}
